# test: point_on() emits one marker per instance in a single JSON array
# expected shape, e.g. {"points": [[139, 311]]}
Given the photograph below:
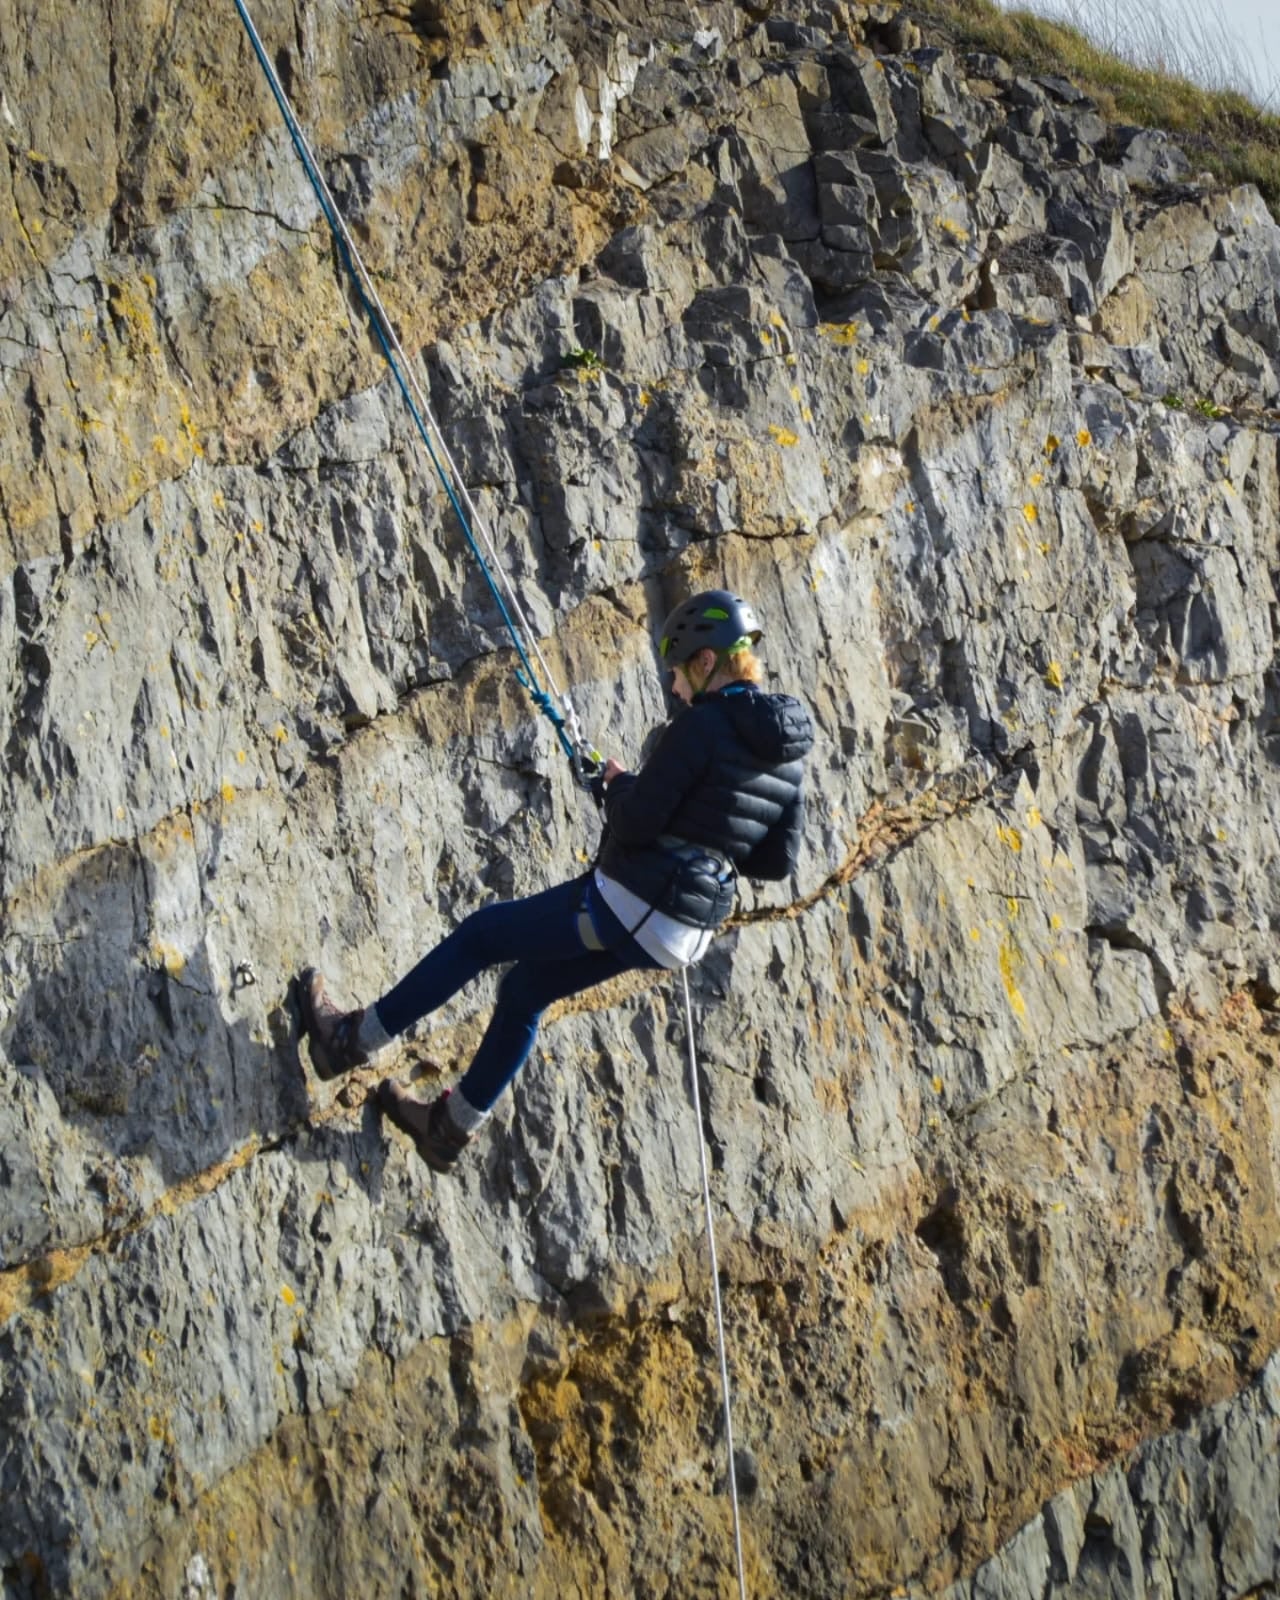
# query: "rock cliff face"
{"points": [[976, 398]]}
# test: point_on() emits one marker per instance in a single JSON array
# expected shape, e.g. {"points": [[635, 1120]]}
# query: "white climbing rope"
{"points": [[715, 1284]]}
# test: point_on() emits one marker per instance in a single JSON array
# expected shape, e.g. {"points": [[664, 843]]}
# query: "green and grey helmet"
{"points": [[714, 620]]}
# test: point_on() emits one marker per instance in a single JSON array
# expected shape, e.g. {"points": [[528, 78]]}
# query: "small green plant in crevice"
{"points": [[581, 360], [1204, 405]]}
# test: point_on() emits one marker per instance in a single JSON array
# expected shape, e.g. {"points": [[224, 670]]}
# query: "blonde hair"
{"points": [[742, 666]]}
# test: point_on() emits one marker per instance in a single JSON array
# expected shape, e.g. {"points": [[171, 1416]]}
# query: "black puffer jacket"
{"points": [[724, 775]]}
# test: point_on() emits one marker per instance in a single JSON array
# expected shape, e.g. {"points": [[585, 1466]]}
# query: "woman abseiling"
{"points": [[721, 794]]}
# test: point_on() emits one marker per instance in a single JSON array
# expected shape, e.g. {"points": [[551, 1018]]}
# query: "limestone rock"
{"points": [[978, 402]]}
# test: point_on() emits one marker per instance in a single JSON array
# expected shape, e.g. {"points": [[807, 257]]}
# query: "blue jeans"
{"points": [[540, 934]]}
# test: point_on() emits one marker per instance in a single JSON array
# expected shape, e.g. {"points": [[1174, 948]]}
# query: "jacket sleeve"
{"points": [[639, 805], [776, 855]]}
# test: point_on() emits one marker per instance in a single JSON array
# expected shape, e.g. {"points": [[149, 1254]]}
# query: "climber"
{"points": [[720, 794]]}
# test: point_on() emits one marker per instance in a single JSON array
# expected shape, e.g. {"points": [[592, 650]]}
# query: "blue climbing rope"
{"points": [[584, 759], [577, 748]]}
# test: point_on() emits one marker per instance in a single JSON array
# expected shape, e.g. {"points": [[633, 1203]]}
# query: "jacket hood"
{"points": [[776, 727]]}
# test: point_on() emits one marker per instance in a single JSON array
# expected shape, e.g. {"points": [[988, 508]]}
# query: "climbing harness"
{"points": [[583, 757], [715, 1284]]}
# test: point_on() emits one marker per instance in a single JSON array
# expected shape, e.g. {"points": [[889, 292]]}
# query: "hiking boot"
{"points": [[332, 1033], [436, 1136]]}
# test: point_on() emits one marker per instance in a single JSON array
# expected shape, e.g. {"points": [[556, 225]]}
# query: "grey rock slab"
{"points": [[1022, 1569], [863, 88], [1102, 236], [1160, 1524], [1148, 155], [770, 154], [839, 131]]}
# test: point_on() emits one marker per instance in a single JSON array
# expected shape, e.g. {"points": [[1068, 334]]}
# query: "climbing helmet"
{"points": [[713, 620]]}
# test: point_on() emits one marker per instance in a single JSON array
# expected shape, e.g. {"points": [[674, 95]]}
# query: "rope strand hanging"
{"points": [[715, 1285], [555, 703], [563, 716]]}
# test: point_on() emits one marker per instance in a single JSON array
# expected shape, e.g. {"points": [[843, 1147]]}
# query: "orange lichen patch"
{"points": [[1051, 444], [621, 1396], [1010, 960], [1053, 675], [1030, 512], [21, 1285], [188, 428], [1010, 837], [1084, 438], [783, 436], [172, 961]]}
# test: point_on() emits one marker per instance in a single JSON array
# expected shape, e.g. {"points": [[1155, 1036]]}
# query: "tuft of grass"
{"points": [[1192, 39], [1223, 132]]}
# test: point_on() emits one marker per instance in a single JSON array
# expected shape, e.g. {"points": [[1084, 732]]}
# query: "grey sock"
{"points": [[464, 1115], [371, 1036]]}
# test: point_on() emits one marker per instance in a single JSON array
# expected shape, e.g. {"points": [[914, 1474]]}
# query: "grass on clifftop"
{"points": [[1222, 132]]}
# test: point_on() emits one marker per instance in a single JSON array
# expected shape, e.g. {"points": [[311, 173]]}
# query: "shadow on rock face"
{"points": [[135, 1063]]}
